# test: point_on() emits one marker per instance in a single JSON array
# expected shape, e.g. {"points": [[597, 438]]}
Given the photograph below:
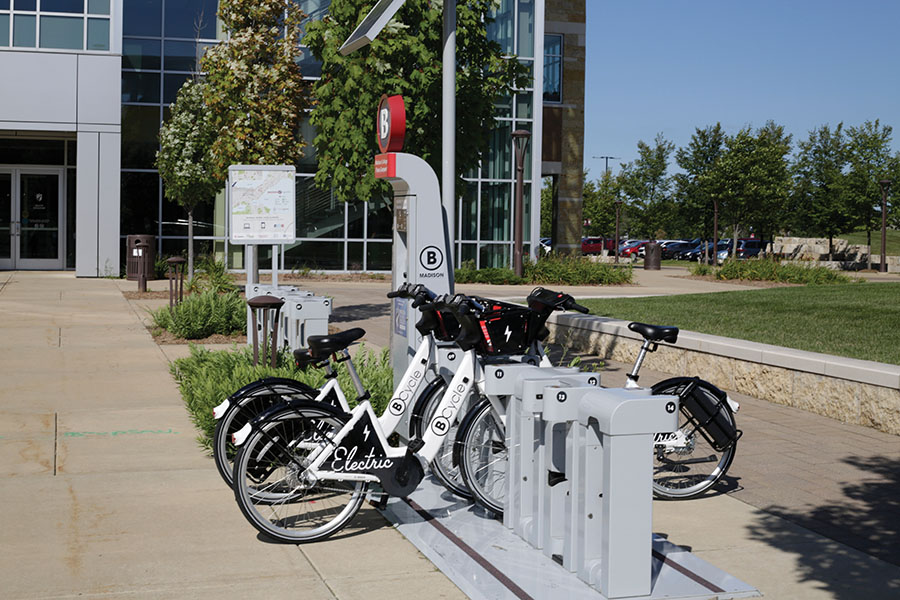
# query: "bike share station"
{"points": [[262, 211], [578, 509]]}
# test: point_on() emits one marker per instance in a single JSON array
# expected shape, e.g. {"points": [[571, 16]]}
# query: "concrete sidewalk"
{"points": [[106, 493]]}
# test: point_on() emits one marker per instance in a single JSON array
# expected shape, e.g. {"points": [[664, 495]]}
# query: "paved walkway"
{"points": [[106, 493]]}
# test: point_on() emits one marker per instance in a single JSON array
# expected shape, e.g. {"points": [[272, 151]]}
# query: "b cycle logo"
{"points": [[431, 258], [399, 403], [440, 425]]}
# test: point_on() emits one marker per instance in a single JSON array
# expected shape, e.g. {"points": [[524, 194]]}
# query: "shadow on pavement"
{"points": [[359, 312], [869, 521]]}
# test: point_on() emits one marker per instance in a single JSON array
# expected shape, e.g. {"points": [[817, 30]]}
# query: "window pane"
{"points": [[495, 211], [318, 214], [526, 28], [182, 56], [378, 256], [355, 211], [552, 45], [355, 256], [172, 83], [315, 255], [469, 212], [67, 6], [142, 17], [23, 31], [32, 152], [140, 203], [494, 255], [501, 29], [26, 4], [523, 106], [72, 153], [4, 4], [309, 66], [191, 19], [4, 30], [62, 32], [503, 107], [98, 34], [499, 157], [70, 218], [140, 87], [381, 219], [98, 7], [140, 54], [552, 79], [140, 131]]}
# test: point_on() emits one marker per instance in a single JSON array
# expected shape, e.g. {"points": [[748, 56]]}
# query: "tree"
{"points": [[696, 195], [870, 160], [255, 92], [547, 207], [184, 159], [753, 179], [646, 185], [819, 205], [405, 59], [600, 204]]}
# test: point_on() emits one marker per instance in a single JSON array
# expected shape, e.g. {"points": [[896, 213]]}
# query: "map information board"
{"points": [[262, 204]]}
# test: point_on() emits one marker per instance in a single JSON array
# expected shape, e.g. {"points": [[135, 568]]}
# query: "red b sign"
{"points": [[391, 123]]}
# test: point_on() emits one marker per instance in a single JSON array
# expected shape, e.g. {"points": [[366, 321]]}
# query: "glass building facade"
{"points": [[162, 40]]}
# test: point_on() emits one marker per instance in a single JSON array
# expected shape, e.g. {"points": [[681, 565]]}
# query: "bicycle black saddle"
{"points": [[321, 346], [655, 333]]}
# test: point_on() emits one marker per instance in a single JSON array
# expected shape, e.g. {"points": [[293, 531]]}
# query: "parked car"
{"points": [[747, 248], [696, 253], [673, 249], [595, 245], [543, 247], [633, 249]]}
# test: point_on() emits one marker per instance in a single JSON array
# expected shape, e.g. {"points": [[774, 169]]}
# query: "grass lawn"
{"points": [[859, 237], [852, 320]]}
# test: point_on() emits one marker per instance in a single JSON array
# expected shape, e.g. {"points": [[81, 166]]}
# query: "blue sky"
{"points": [[672, 66]]}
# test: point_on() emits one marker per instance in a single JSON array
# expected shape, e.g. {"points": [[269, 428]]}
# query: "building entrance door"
{"points": [[31, 219]]}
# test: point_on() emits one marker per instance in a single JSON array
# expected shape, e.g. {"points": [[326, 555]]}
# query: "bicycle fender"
{"points": [[463, 426], [415, 419], [701, 382]]}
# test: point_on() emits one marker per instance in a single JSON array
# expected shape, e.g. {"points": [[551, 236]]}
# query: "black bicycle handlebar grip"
{"points": [[399, 292], [570, 304]]}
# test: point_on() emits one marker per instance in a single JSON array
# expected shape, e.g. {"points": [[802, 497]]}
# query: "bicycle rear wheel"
{"points": [[685, 465], [483, 457], [272, 487], [442, 466], [243, 409]]}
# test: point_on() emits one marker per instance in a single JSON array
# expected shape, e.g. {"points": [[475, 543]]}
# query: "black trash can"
{"points": [[140, 248], [652, 256]]}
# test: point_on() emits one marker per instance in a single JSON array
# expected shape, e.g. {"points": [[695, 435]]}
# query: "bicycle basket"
{"points": [[706, 412], [505, 329]]}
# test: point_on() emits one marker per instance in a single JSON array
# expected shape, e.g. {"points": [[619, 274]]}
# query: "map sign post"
{"points": [[261, 210]]}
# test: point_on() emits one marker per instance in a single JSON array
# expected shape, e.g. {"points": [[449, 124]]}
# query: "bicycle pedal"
{"points": [[415, 445], [378, 499]]}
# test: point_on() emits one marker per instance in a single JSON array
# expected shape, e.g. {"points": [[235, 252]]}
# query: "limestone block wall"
{"points": [[852, 391]]}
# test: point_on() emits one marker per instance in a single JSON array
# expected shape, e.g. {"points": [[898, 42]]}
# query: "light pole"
{"points": [[607, 160], [885, 186], [618, 205], [520, 138]]}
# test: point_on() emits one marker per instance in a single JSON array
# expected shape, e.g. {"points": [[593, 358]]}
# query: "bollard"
{"points": [[139, 249], [261, 307], [175, 270]]}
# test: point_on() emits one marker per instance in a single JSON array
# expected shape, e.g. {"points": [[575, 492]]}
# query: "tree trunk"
{"points": [[734, 241], [715, 227], [190, 244], [869, 254], [830, 247]]}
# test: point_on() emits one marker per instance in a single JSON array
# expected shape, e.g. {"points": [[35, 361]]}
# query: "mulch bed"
{"points": [[749, 282], [161, 336]]}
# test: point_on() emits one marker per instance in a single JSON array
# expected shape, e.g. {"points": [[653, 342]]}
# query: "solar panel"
{"points": [[371, 25]]}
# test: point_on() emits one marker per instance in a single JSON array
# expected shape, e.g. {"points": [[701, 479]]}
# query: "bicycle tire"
{"points": [[680, 474], [483, 457], [245, 405], [443, 466], [268, 476]]}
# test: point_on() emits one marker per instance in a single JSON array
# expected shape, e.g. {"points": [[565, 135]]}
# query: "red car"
{"points": [[595, 245], [632, 249]]}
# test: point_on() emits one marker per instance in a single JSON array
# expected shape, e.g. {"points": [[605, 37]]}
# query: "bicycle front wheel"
{"points": [[243, 409], [483, 457], [684, 464], [442, 466], [271, 484]]}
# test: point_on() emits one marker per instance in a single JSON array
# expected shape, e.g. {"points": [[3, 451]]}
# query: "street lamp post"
{"points": [[885, 186], [520, 138], [618, 204]]}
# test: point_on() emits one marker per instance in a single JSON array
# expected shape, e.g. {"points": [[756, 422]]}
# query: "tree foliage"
{"points": [[696, 189], [869, 161], [255, 92], [184, 159], [405, 59], [600, 204], [645, 184]]}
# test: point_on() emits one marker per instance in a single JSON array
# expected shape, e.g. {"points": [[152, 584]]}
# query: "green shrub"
{"points": [[550, 269], [204, 314], [206, 378], [770, 270], [700, 269]]}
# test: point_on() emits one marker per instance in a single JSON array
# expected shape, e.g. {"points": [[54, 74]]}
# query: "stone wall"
{"points": [[852, 391]]}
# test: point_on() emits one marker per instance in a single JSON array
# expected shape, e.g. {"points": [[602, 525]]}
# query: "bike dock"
{"points": [[578, 507]]}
